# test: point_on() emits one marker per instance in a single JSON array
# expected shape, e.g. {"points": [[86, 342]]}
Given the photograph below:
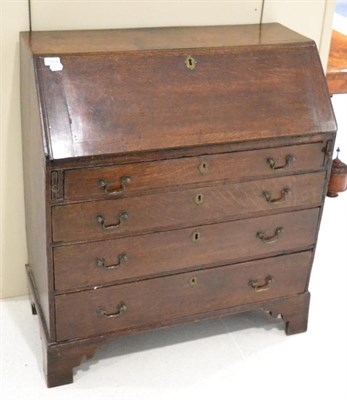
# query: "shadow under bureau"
{"points": [[171, 175]]}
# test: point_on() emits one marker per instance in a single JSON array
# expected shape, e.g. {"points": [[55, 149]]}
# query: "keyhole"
{"points": [[190, 63], [203, 168], [195, 236], [193, 281], [199, 199]]}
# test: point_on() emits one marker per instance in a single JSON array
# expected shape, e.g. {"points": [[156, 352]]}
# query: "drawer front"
{"points": [[164, 300], [177, 209], [143, 256], [123, 180]]}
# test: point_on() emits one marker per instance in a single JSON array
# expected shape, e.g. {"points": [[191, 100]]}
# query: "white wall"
{"points": [[311, 18], [13, 18]]}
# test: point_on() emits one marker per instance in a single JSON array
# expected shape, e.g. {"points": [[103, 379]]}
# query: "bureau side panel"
{"points": [[35, 169]]}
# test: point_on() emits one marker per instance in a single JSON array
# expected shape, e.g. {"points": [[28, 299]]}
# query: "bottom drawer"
{"points": [[154, 301]]}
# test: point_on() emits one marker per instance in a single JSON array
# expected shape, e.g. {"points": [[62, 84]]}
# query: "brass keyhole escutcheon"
{"points": [[199, 199], [203, 168], [190, 63], [193, 281], [196, 236]]}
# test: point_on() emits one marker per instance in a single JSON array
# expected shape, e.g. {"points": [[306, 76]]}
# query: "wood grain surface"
{"points": [[178, 209], [337, 64], [170, 252], [80, 184], [166, 38], [150, 100], [176, 296], [192, 116]]}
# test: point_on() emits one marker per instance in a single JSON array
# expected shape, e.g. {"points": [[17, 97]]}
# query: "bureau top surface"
{"points": [[115, 40], [121, 91]]}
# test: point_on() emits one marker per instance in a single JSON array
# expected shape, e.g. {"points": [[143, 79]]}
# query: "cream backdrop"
{"points": [[311, 18]]}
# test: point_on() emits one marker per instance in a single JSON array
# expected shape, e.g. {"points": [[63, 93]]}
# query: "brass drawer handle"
{"points": [[123, 216], [288, 160], [121, 308], [122, 258], [268, 196], [261, 288], [124, 181], [270, 239]]}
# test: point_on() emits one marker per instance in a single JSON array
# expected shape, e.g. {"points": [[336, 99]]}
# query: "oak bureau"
{"points": [[171, 175]]}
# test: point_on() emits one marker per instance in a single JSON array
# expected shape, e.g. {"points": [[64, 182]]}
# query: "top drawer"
{"points": [[123, 180]]}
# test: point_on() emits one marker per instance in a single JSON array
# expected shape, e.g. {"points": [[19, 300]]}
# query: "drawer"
{"points": [[143, 256], [161, 300], [178, 209], [123, 180]]}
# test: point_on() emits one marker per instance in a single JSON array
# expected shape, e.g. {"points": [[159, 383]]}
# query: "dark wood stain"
{"points": [[178, 209], [176, 296], [166, 38], [143, 102], [228, 167], [158, 253], [193, 170]]}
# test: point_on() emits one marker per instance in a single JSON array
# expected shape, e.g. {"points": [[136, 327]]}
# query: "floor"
{"points": [[242, 357]]}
